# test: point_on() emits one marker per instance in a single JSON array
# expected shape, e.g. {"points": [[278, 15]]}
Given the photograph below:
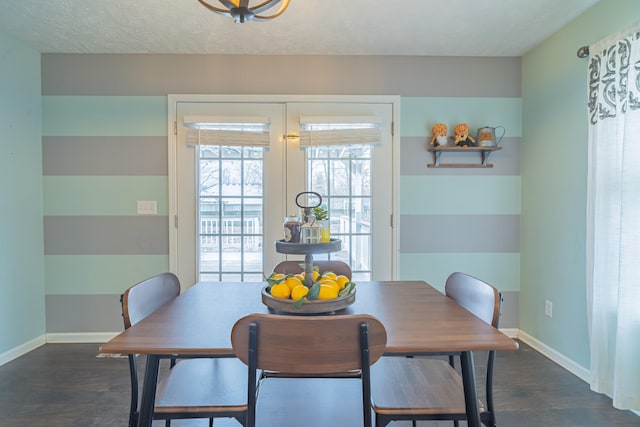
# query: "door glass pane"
{"points": [[361, 186], [360, 261], [342, 175], [231, 213]]}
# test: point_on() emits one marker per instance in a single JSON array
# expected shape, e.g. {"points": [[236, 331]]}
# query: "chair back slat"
{"points": [[143, 298], [477, 296], [308, 344]]}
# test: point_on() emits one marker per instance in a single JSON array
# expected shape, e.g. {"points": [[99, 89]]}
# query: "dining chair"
{"points": [[295, 267], [192, 388], [423, 388], [307, 346]]}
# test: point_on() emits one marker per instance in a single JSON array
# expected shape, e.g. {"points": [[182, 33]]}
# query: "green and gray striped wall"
{"points": [[104, 144]]}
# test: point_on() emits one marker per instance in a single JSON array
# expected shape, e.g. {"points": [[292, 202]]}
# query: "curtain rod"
{"points": [[583, 52]]}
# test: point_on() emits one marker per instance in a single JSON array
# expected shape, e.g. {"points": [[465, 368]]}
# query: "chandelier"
{"points": [[241, 10]]}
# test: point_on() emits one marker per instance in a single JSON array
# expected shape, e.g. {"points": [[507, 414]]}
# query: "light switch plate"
{"points": [[147, 207]]}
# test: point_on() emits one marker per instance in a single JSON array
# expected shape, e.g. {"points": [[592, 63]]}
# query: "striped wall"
{"points": [[456, 219], [100, 155], [104, 147], [22, 321]]}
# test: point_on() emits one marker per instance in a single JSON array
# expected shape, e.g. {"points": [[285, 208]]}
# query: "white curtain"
{"points": [[613, 217]]}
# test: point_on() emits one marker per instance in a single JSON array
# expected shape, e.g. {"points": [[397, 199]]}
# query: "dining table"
{"points": [[419, 319]]}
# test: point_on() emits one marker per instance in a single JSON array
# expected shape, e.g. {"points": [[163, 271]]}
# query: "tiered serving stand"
{"points": [[308, 249], [308, 307]]}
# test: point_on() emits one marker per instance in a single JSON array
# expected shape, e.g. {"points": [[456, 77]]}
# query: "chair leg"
{"points": [[490, 414], [133, 406]]}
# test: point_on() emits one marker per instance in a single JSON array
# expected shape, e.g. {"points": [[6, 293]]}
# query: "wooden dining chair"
{"points": [[307, 346], [295, 267], [192, 388], [423, 388]]}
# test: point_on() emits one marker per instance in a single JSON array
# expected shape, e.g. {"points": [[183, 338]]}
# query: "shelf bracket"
{"points": [[436, 157], [485, 157]]}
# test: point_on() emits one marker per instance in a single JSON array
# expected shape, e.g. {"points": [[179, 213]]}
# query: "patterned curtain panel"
{"points": [[613, 79], [613, 217]]}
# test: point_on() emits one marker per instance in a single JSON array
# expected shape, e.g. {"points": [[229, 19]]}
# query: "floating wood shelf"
{"points": [[484, 156]]}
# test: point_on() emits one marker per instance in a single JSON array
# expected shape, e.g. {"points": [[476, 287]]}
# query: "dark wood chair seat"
{"points": [[202, 388], [429, 387]]}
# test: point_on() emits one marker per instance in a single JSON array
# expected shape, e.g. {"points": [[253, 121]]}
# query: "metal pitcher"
{"points": [[486, 136]]}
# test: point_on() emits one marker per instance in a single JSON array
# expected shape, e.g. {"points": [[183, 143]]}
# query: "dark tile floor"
{"points": [[66, 385]]}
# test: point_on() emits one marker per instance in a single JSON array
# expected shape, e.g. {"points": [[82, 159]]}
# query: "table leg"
{"points": [[147, 402], [469, 383]]}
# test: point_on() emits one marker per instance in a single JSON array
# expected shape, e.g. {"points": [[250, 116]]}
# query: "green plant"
{"points": [[320, 213]]}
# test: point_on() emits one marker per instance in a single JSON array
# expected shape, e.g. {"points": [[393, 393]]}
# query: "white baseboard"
{"points": [[510, 332], [78, 337], [21, 350], [568, 364]]}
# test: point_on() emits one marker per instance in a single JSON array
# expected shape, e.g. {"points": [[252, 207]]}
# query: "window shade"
{"points": [[227, 130], [339, 130]]}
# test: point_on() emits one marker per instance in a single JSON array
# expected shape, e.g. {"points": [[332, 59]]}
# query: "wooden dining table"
{"points": [[419, 319]]}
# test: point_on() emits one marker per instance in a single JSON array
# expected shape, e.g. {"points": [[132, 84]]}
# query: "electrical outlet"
{"points": [[548, 308]]}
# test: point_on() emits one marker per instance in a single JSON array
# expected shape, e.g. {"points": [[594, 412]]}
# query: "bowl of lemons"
{"points": [[296, 294]]}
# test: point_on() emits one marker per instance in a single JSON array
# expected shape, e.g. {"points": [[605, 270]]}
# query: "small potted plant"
{"points": [[322, 217]]}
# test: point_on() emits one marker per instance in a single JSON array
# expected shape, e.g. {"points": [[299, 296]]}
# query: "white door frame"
{"points": [[174, 99]]}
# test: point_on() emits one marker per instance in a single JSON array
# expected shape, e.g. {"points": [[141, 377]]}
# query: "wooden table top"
{"points": [[418, 319]]}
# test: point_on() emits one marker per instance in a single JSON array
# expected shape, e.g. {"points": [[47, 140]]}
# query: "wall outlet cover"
{"points": [[147, 207]]}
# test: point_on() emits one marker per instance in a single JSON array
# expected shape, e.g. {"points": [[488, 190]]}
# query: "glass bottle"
{"points": [[291, 228]]}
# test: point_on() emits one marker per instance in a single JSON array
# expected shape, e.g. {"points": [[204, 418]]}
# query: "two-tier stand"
{"points": [[308, 249]]}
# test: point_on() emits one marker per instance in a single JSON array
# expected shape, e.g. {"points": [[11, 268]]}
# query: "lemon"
{"points": [[327, 292], [276, 276], [281, 290], [315, 275], [299, 292], [330, 275], [292, 282], [329, 282], [342, 281]]}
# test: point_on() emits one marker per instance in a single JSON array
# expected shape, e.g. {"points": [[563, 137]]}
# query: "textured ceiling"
{"points": [[316, 27]]}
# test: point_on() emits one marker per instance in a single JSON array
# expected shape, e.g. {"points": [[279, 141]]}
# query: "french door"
{"points": [[228, 202]]}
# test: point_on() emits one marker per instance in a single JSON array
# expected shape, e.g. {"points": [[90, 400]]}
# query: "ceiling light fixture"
{"points": [[241, 10]]}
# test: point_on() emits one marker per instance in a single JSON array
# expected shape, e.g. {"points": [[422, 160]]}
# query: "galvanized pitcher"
{"points": [[486, 136]]}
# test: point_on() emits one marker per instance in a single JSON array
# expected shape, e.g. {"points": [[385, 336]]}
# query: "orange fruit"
{"points": [[281, 290], [299, 292], [327, 292]]}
